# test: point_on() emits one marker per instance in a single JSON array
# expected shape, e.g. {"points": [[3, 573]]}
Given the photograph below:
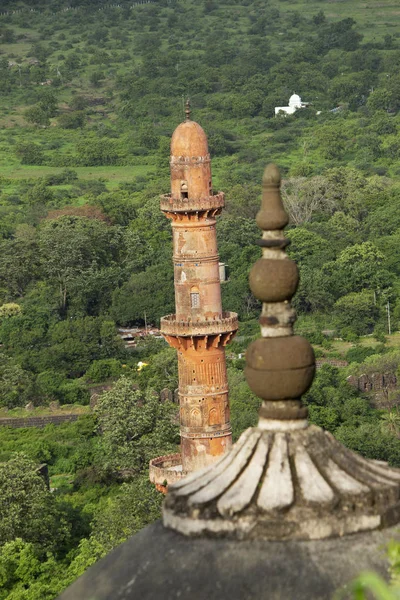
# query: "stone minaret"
{"points": [[199, 330]]}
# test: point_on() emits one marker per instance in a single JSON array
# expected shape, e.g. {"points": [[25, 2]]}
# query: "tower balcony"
{"points": [[170, 326], [165, 470], [188, 205]]}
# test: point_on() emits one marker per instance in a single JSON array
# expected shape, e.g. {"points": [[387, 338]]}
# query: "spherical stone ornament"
{"points": [[280, 368], [274, 280]]}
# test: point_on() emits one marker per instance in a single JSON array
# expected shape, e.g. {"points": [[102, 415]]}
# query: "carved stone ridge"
{"points": [[301, 484], [189, 160], [208, 434]]}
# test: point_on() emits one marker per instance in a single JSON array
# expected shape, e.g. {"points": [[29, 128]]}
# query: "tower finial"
{"points": [[187, 110], [284, 479]]}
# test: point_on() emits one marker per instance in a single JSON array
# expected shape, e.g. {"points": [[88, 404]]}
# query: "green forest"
{"points": [[90, 94]]}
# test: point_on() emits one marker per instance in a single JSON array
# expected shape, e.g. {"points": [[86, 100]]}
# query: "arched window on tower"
{"points": [[194, 297], [184, 190], [213, 418]]}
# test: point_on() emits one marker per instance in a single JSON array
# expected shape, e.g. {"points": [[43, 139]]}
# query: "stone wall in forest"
{"points": [[19, 422]]}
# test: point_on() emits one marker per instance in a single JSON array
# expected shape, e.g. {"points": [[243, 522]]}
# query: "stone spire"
{"points": [[187, 110], [284, 479]]}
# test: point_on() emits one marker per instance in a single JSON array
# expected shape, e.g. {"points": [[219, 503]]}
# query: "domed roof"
{"points": [[295, 100], [189, 139]]}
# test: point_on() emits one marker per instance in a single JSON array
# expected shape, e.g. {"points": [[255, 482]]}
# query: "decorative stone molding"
{"points": [[189, 205], [170, 326], [299, 484]]}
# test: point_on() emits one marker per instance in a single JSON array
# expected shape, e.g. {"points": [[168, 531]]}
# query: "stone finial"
{"points": [[280, 366], [284, 479], [272, 215], [187, 110]]}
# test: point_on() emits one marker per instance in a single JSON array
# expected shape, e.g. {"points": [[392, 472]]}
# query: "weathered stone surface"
{"points": [[274, 280], [54, 405], [272, 215], [299, 484], [271, 378], [373, 383], [160, 564], [30, 406], [199, 330]]}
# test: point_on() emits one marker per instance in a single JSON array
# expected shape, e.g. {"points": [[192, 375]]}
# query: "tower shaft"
{"points": [[199, 329]]}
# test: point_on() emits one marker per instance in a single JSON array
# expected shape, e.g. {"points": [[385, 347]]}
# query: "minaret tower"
{"points": [[199, 330]]}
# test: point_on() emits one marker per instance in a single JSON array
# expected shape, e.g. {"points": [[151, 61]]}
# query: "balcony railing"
{"points": [[185, 205], [170, 326]]}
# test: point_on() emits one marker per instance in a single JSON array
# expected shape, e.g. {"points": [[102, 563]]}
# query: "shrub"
{"points": [[74, 392], [100, 370], [29, 153]]}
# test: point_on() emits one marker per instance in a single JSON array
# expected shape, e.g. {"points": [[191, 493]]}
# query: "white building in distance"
{"points": [[294, 103]]}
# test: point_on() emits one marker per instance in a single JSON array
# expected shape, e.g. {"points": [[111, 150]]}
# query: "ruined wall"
{"points": [[373, 383], [37, 421]]}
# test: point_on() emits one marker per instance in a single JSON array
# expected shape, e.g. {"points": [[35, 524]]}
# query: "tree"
{"points": [[357, 312], [315, 290], [338, 35], [244, 404], [380, 99], [72, 120], [39, 194], [37, 116], [10, 309], [391, 421], [93, 151], [27, 507], [136, 505], [331, 141], [134, 428], [73, 344], [20, 565], [74, 247], [308, 248], [359, 267], [150, 292], [351, 88], [15, 383]]}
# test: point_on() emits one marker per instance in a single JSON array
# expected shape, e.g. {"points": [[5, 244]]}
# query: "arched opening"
{"points": [[184, 189]]}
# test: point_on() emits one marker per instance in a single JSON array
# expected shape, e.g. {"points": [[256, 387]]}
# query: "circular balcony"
{"points": [[187, 205], [165, 470], [170, 326]]}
